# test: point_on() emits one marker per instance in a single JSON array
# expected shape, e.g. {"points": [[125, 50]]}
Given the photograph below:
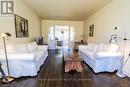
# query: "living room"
{"points": [[92, 21]]}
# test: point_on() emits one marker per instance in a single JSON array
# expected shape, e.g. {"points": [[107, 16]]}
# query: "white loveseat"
{"points": [[24, 59], [101, 57]]}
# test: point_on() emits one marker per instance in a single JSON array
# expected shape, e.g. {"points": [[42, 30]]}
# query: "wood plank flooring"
{"points": [[52, 75]]}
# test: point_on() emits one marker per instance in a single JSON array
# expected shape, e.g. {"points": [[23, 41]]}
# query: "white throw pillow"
{"points": [[102, 47], [113, 48], [32, 46], [22, 48], [92, 46], [108, 48], [11, 48]]}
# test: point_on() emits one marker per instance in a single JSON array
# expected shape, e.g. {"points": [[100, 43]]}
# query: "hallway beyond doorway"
{"points": [[61, 36]]}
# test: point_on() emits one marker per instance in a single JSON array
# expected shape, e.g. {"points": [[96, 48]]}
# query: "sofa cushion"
{"points": [[113, 48], [82, 47], [11, 48], [107, 48], [22, 48], [101, 47], [42, 47], [92, 46], [32, 46]]}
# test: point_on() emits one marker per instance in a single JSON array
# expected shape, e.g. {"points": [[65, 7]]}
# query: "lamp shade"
{"points": [[5, 34]]}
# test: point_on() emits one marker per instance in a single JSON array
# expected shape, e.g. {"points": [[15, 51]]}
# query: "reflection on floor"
{"points": [[52, 75]]}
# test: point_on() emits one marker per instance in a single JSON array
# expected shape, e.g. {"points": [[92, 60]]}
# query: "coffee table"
{"points": [[72, 61]]}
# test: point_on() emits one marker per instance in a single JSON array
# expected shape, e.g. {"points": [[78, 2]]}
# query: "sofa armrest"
{"points": [[82, 47], [41, 47], [19, 56], [108, 54]]}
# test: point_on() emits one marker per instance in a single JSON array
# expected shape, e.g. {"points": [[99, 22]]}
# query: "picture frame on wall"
{"points": [[91, 30], [21, 27]]}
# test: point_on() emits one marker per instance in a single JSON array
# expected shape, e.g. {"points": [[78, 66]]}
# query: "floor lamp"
{"points": [[8, 78], [114, 40]]}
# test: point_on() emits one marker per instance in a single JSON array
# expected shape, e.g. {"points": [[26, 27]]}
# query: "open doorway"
{"points": [[61, 36]]}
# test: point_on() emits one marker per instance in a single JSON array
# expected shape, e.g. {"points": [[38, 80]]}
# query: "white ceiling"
{"points": [[74, 10]]}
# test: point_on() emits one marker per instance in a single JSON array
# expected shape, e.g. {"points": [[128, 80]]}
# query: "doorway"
{"points": [[61, 36]]}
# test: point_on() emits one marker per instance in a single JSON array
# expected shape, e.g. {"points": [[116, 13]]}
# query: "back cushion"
{"points": [[32, 46], [11, 48], [113, 48], [92, 46], [101, 47], [108, 47], [82, 47], [22, 48]]}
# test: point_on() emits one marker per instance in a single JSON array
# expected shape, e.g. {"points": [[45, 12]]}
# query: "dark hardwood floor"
{"points": [[52, 75]]}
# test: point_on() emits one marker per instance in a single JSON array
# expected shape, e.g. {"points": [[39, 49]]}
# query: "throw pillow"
{"points": [[113, 48], [32, 46], [22, 48], [11, 48]]}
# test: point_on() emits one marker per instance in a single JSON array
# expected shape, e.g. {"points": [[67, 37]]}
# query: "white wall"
{"points": [[115, 14], [21, 9], [78, 25]]}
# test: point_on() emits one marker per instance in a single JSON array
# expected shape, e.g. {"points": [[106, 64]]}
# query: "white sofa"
{"points": [[24, 59], [101, 57]]}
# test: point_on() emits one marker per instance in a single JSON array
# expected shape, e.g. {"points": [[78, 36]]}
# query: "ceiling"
{"points": [[71, 10]]}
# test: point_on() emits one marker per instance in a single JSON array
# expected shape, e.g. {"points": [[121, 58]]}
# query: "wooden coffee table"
{"points": [[72, 62]]}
